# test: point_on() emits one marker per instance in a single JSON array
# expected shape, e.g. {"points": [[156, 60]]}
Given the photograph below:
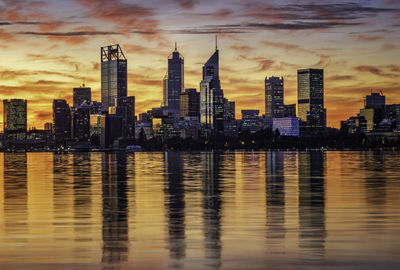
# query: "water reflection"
{"points": [[15, 196], [275, 201], [210, 162], [115, 211], [175, 207], [312, 207]]}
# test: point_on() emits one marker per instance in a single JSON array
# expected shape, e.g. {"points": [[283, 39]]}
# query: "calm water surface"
{"points": [[264, 210]]}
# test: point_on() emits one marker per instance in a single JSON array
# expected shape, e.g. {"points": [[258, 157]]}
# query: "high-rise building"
{"points": [[229, 110], [212, 98], [175, 81], [310, 87], [289, 110], [190, 103], [274, 104], [126, 110], [375, 101], [61, 121], [15, 118], [81, 123], [113, 75], [82, 95]]}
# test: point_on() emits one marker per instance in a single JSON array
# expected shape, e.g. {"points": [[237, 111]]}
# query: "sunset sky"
{"points": [[47, 47]]}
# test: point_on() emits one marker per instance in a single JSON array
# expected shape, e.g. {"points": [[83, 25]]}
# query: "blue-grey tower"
{"points": [[174, 83], [212, 98]]}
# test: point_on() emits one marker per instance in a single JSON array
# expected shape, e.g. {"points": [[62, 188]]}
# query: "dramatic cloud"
{"points": [[377, 71]]}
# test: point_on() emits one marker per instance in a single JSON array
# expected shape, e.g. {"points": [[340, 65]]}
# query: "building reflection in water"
{"points": [[375, 188], [15, 195], [175, 207], [312, 206], [82, 195], [115, 210], [275, 201], [210, 162]]}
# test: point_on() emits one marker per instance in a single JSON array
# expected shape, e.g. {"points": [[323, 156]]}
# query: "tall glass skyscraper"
{"points": [[274, 105], [212, 98], [15, 118], [174, 83], [61, 121], [310, 87], [114, 82]]}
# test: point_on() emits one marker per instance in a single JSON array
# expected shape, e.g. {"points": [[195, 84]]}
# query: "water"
{"points": [[264, 210]]}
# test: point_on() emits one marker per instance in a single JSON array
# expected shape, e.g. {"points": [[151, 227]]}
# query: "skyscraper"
{"points": [[82, 95], [274, 105], [80, 118], [61, 121], [310, 87], [126, 110], [212, 98], [15, 118], [175, 80], [113, 75], [375, 100], [190, 103]]}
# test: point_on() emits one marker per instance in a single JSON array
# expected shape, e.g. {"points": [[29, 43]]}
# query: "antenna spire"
{"points": [[175, 46], [216, 42]]}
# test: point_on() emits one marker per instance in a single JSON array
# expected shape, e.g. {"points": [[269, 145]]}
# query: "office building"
{"points": [[229, 110], [82, 95], [251, 120], [111, 130], [81, 123], [15, 118], [289, 110], [190, 103], [175, 81], [310, 87], [61, 121], [113, 76], [274, 97], [211, 98], [126, 110]]}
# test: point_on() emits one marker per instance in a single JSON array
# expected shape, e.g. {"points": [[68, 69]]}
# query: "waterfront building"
{"points": [[190, 103], [61, 121], [126, 110], [251, 120], [82, 95], [212, 98], [113, 75], [175, 82], [274, 97], [15, 118], [310, 87], [287, 126]]}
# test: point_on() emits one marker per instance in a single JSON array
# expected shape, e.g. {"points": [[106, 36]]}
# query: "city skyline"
{"points": [[355, 43]]}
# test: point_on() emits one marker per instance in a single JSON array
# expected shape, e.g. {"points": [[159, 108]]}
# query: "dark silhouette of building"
{"points": [[174, 83], [229, 110], [114, 82], [175, 206], [310, 87], [82, 95], [111, 129], [289, 110], [126, 110], [15, 118], [61, 121], [81, 123], [190, 103], [251, 120], [274, 99], [375, 101], [212, 98]]}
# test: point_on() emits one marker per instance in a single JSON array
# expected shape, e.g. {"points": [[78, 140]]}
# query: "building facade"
{"points": [[287, 126], [310, 87], [251, 120], [82, 95], [190, 103], [61, 121], [175, 82], [15, 118], [114, 81], [274, 97], [211, 99], [126, 110]]}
